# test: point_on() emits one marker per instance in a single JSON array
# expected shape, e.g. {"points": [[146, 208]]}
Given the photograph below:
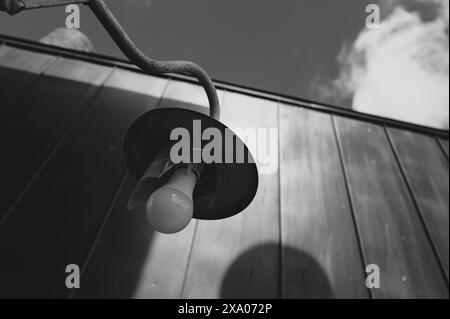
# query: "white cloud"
{"points": [[401, 70], [68, 38]]}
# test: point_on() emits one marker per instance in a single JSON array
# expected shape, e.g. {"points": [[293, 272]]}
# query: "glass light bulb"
{"points": [[169, 209]]}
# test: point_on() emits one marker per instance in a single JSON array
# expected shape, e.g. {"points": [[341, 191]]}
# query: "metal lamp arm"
{"points": [[149, 65], [126, 45]]}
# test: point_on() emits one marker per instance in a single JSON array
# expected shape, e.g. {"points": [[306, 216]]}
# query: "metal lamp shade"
{"points": [[224, 188]]}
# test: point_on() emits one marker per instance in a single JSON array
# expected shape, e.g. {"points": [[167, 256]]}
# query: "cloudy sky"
{"points": [[315, 49]]}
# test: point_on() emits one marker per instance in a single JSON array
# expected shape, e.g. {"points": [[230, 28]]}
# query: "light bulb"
{"points": [[169, 209]]}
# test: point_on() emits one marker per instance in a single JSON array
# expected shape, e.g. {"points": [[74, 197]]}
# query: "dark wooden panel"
{"points": [[145, 264], [239, 257], [56, 222], [18, 71], [392, 234], [426, 169], [316, 216], [33, 126]]}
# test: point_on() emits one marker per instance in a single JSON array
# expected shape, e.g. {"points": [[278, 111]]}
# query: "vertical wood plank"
{"points": [[426, 169], [316, 215], [57, 220], [19, 69], [392, 234], [239, 257], [165, 264]]}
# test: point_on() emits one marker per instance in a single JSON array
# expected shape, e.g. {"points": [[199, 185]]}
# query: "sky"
{"points": [[314, 49]]}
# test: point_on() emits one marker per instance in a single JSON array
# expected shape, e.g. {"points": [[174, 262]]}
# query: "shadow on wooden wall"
{"points": [[244, 278]]}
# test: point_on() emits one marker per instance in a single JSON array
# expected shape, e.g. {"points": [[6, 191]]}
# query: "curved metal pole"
{"points": [[151, 66]]}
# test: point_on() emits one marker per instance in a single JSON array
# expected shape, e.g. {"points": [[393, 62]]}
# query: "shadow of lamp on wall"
{"points": [[298, 275], [174, 191]]}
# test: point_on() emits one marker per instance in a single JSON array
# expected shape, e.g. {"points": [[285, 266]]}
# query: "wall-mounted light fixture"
{"points": [[174, 192]]}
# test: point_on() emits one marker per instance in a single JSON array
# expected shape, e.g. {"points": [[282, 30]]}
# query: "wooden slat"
{"points": [[392, 234], [19, 69], [239, 257], [56, 222], [426, 169], [153, 264], [26, 61], [177, 93], [444, 144], [165, 264], [34, 125], [322, 258]]}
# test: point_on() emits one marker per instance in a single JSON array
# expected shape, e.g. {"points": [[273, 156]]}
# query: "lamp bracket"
{"points": [[13, 7]]}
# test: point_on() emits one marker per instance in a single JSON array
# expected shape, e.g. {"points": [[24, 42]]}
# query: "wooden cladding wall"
{"points": [[347, 193]]}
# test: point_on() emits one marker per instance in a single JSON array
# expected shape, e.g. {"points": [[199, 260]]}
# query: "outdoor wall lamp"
{"points": [[173, 192]]}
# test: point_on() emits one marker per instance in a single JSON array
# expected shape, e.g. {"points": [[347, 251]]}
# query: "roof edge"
{"points": [[281, 98]]}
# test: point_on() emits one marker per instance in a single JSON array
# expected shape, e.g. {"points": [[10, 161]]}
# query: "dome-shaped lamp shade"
{"points": [[224, 188]]}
